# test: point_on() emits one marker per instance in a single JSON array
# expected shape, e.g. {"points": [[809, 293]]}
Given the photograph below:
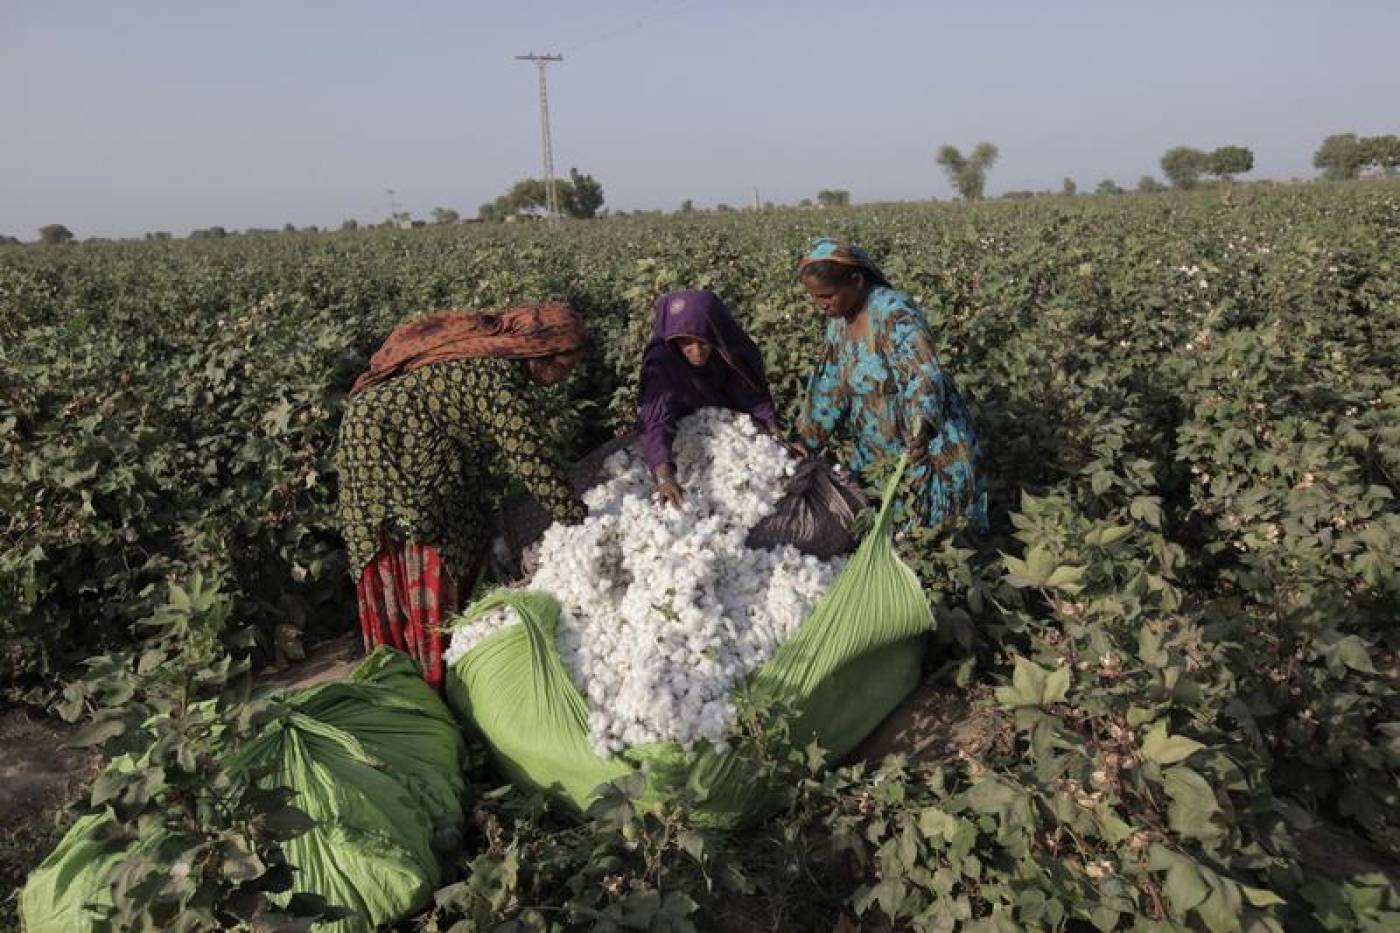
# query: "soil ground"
{"points": [[39, 781], [935, 723]]}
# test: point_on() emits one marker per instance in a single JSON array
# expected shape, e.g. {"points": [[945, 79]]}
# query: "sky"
{"points": [[121, 118]]}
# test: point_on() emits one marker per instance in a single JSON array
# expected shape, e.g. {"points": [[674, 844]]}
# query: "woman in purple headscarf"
{"points": [[698, 357]]}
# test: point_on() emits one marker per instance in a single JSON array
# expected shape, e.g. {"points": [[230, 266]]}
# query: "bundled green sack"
{"points": [[848, 665], [377, 760]]}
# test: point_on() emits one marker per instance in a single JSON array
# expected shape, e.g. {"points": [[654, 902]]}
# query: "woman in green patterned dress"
{"points": [[444, 406]]}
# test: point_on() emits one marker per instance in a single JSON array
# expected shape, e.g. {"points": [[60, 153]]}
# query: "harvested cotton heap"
{"points": [[664, 611]]}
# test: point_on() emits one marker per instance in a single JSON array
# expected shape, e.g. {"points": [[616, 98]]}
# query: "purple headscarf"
{"points": [[671, 388]]}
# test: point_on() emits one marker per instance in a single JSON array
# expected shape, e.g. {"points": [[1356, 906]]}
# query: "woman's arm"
{"points": [[923, 411], [922, 401], [656, 414]]}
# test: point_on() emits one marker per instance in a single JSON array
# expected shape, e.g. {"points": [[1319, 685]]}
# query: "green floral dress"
{"points": [[416, 456]]}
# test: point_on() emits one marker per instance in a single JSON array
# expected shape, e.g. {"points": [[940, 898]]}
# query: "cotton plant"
{"points": [[664, 610]]}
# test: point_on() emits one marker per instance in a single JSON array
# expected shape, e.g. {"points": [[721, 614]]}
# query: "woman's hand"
{"points": [[530, 560], [796, 448], [668, 491]]}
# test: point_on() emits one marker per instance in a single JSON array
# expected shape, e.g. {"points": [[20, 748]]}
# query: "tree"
{"points": [[1108, 186], [351, 224], [1147, 184], [9, 241], [55, 234], [585, 195], [1184, 166], [834, 197], [579, 196], [209, 233], [1340, 157], [1382, 153], [805, 202], [968, 175], [445, 215], [1228, 161], [687, 206], [1069, 189], [158, 235]]}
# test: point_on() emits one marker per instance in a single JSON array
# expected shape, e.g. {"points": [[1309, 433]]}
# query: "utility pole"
{"points": [[756, 205], [393, 207], [551, 194]]}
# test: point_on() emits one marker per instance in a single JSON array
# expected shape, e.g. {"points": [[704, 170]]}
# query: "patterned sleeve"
{"points": [[497, 404], [922, 386], [936, 426], [825, 404]]}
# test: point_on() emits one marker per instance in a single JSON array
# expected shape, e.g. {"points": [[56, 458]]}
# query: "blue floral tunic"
{"points": [[890, 393]]}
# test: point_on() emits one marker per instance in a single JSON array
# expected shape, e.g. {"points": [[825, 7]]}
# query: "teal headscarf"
{"points": [[828, 249]]}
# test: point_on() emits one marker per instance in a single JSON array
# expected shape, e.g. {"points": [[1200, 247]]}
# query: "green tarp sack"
{"points": [[846, 668], [377, 760]]}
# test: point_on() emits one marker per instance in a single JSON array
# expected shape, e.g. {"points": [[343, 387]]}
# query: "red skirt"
{"points": [[405, 595]]}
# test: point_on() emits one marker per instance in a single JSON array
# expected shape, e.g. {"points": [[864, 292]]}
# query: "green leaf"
{"points": [[1353, 652], [1106, 536], [1033, 571], [71, 706], [1027, 685], [1066, 578], [1185, 887], [693, 844], [151, 659], [1222, 910], [1147, 509], [1167, 750], [890, 895], [1261, 897], [1056, 686], [287, 823], [937, 825], [1150, 646], [1193, 803], [106, 725], [239, 864]]}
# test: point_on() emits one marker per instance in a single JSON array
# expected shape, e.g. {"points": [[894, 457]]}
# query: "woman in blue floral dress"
{"points": [[878, 378]]}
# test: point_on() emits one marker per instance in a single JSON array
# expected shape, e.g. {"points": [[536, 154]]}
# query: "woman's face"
{"points": [[843, 300], [696, 351], [547, 370]]}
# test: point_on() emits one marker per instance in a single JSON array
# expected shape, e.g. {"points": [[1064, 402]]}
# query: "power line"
{"points": [[551, 194]]}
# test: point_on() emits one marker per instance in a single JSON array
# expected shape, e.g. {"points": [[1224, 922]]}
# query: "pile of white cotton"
{"points": [[664, 610]]}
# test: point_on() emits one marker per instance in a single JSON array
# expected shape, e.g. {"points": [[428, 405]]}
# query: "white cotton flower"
{"points": [[664, 610]]}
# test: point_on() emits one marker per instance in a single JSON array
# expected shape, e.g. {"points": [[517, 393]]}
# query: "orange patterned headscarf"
{"points": [[543, 329]]}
